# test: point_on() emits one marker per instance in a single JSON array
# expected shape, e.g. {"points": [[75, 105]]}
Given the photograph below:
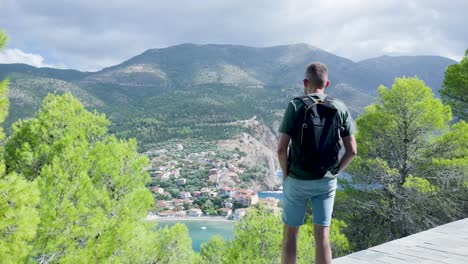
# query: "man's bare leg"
{"points": [[323, 254], [290, 244]]}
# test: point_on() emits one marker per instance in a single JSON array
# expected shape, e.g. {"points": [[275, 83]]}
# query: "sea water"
{"points": [[272, 194], [225, 229]]}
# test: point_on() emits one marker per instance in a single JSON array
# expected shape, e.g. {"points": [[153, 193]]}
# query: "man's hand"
{"points": [[282, 151]]}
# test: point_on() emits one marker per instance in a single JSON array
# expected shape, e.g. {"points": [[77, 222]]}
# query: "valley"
{"points": [[207, 115]]}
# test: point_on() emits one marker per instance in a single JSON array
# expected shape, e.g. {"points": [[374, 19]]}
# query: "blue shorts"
{"points": [[296, 194]]}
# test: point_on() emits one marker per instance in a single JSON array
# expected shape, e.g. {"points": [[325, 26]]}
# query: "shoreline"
{"points": [[188, 218]]}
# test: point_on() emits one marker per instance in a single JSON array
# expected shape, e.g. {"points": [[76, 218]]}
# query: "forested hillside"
{"points": [[195, 91]]}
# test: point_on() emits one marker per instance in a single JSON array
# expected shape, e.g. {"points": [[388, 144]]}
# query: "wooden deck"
{"points": [[443, 244]]}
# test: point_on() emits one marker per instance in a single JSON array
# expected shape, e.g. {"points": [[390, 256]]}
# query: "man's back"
{"points": [[293, 125]]}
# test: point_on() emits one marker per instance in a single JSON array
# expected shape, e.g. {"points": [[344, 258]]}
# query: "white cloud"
{"points": [[18, 56], [400, 47], [89, 34]]}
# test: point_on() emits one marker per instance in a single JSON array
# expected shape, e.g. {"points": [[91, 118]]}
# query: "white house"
{"points": [[182, 181], [225, 212], [213, 178], [195, 212], [178, 202], [239, 213], [227, 204], [157, 189], [166, 176], [185, 195], [228, 191]]}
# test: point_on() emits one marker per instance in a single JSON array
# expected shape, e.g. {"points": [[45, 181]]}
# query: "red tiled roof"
{"points": [[167, 212], [162, 203]]}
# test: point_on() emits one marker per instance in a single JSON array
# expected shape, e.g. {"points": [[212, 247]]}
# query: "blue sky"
{"points": [[92, 34]]}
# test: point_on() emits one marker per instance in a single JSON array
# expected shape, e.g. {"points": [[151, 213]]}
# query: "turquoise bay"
{"points": [[199, 236]]}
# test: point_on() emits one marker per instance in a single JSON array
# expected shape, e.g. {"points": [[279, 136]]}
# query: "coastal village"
{"points": [[211, 182]]}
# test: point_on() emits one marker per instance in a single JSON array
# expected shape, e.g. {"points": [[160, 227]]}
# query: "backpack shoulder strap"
{"points": [[329, 102], [309, 101]]}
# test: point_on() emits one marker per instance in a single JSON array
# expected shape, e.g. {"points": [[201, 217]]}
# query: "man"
{"points": [[313, 124]]}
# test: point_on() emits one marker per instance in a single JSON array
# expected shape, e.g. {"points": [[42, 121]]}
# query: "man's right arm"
{"points": [[286, 129], [282, 151], [350, 146]]}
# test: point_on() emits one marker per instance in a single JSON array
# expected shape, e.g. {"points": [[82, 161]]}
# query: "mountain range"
{"points": [[198, 91]]}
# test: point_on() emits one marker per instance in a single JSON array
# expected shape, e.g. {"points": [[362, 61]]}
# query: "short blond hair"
{"points": [[317, 74]]}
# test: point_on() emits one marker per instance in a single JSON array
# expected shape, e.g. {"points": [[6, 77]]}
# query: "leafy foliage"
{"points": [[210, 252], [397, 129], [92, 186], [18, 217], [175, 245], [453, 147], [402, 181], [18, 199], [455, 91]]}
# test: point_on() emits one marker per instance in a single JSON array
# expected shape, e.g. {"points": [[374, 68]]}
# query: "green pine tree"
{"points": [[405, 145], [455, 87], [92, 185], [211, 252], [18, 199], [397, 130], [174, 245]]}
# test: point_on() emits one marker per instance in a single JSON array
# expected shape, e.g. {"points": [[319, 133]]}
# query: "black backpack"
{"points": [[315, 148]]}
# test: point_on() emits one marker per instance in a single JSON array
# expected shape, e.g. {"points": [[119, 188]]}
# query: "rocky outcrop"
{"points": [[259, 146]]}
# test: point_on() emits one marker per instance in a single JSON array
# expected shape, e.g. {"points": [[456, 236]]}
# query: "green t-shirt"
{"points": [[289, 125]]}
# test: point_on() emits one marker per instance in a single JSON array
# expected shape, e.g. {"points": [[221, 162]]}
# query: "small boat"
{"points": [[203, 228], [273, 192]]}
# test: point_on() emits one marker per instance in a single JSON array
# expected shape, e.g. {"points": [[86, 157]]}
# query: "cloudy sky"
{"points": [[92, 34]]}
